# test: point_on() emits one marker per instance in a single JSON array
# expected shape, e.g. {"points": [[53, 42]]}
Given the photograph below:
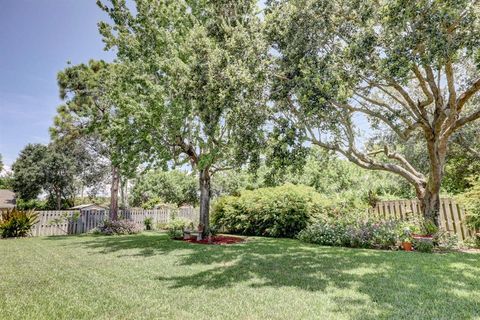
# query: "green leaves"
{"points": [[192, 79]]}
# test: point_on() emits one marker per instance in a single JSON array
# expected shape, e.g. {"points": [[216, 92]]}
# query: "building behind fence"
{"points": [[65, 222], [452, 216]]}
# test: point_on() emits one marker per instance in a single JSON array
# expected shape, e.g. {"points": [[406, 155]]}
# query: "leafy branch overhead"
{"points": [[406, 66], [190, 83]]}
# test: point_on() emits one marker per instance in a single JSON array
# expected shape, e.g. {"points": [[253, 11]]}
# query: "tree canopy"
{"points": [[403, 65], [191, 82], [41, 168]]}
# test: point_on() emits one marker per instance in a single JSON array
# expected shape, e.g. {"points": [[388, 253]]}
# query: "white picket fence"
{"points": [[64, 222]]}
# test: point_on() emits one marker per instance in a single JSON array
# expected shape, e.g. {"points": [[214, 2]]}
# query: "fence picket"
{"points": [[452, 216], [90, 219]]}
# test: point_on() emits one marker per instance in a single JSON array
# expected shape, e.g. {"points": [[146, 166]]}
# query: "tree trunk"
{"points": [[122, 193], [114, 193], [430, 197], [204, 200], [58, 195], [430, 206]]}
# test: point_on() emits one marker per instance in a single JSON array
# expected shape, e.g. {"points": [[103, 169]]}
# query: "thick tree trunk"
{"points": [[430, 197], [430, 206], [114, 193], [204, 180]]}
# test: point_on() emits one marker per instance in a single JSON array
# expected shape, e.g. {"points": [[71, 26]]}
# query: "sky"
{"points": [[37, 39]]}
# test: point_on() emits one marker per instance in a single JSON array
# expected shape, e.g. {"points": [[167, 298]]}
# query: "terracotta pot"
{"points": [[407, 246]]}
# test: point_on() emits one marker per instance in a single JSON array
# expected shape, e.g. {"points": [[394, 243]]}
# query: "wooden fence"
{"points": [[65, 222], [452, 215]]}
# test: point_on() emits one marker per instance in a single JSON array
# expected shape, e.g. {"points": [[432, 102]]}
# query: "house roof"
{"points": [[7, 198]]}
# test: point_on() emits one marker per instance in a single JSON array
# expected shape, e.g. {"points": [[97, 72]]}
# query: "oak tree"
{"points": [[400, 64], [191, 84]]}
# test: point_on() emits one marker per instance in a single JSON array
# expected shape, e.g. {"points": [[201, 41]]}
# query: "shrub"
{"points": [[276, 212], [148, 222], [119, 227], [176, 226], [471, 200], [423, 245], [32, 204], [445, 240], [16, 223], [352, 233]]}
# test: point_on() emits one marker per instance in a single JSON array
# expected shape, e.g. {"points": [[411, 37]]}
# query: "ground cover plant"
{"points": [[16, 223], [117, 227], [149, 276]]}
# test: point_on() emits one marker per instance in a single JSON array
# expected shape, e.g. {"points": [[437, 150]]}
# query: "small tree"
{"points": [[190, 83], [401, 64]]}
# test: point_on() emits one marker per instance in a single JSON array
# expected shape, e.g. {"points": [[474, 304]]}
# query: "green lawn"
{"points": [[148, 276]]}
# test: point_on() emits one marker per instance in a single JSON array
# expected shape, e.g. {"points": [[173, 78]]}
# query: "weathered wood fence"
{"points": [[65, 222], [452, 215]]}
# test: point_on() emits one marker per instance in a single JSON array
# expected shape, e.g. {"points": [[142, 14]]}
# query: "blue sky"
{"points": [[37, 38]]}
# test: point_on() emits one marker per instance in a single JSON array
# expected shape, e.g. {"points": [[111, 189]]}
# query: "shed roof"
{"points": [[7, 198]]}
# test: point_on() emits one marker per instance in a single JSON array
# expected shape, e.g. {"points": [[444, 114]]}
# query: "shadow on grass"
{"points": [[400, 284]]}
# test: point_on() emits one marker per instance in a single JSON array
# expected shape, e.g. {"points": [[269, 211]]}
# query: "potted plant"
{"points": [[407, 239], [407, 244], [148, 222]]}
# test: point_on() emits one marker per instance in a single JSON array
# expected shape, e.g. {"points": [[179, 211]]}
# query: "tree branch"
{"points": [[464, 97]]}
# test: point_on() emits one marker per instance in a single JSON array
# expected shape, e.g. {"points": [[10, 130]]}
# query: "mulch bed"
{"points": [[218, 240]]}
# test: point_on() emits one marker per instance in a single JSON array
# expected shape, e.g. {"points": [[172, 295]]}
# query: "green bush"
{"points": [[348, 232], [471, 200], [16, 223], [118, 227], [176, 226], [148, 222], [33, 204], [276, 212], [423, 245]]}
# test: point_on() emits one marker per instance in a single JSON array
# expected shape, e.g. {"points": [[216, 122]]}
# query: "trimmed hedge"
{"points": [[275, 212]]}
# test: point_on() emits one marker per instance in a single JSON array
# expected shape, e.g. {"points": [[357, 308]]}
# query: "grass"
{"points": [[148, 276]]}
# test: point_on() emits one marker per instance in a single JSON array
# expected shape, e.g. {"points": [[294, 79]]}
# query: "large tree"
{"points": [[190, 82], [401, 64], [41, 168], [156, 187], [28, 174], [88, 119]]}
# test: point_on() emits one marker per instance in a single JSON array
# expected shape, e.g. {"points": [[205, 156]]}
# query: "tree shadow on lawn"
{"points": [[399, 284], [142, 245]]}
